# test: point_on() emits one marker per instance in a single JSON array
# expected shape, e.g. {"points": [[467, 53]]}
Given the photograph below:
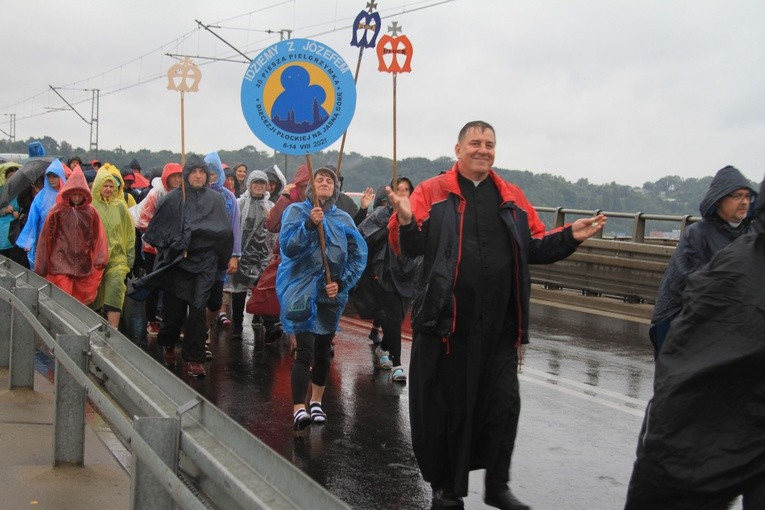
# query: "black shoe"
{"points": [[446, 499], [273, 336], [504, 499], [236, 332]]}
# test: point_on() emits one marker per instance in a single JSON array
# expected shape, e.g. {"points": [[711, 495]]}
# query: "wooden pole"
{"points": [[342, 142], [394, 132], [322, 239], [183, 145], [183, 132]]}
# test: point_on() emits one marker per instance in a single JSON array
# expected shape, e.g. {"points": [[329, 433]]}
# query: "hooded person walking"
{"points": [[311, 307], [142, 213], [72, 250], [386, 288], [192, 234], [217, 182], [120, 233], [263, 301], [257, 244], [55, 177], [727, 211], [702, 443]]}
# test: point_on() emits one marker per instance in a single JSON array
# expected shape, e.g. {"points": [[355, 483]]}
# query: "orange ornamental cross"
{"points": [[390, 47], [181, 73]]}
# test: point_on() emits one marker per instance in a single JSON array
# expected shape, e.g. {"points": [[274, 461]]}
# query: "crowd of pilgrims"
{"points": [[88, 232]]}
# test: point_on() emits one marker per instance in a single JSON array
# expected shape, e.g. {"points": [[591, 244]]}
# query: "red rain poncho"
{"points": [[72, 250]]}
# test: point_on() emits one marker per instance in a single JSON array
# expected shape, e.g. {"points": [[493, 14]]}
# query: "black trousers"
{"points": [[178, 314]]}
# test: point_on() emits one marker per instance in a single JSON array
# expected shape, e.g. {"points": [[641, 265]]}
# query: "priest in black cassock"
{"points": [[477, 234]]}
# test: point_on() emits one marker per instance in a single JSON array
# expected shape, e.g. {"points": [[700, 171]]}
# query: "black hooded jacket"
{"points": [[385, 270], [703, 437], [192, 233], [700, 242]]}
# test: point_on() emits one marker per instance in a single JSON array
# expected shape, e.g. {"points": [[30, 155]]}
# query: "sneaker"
{"points": [[208, 354], [194, 369], [152, 328], [382, 359], [300, 419], [374, 335], [317, 413], [168, 355], [223, 321], [397, 374]]}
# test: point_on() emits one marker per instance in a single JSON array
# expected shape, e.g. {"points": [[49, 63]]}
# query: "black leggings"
{"points": [[238, 300], [310, 346]]}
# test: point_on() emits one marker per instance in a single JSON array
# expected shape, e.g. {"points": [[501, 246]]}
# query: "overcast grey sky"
{"points": [[608, 90]]}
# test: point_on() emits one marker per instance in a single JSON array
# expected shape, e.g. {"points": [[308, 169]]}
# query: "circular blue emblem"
{"points": [[298, 96]]}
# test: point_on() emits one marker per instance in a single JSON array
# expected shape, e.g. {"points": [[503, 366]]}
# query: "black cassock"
{"points": [[466, 388]]}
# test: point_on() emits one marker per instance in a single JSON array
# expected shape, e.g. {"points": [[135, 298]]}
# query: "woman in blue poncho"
{"points": [[43, 202], [310, 307]]}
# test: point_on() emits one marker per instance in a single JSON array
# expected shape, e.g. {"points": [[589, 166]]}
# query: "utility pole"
{"points": [[12, 129], [95, 96], [93, 123]]}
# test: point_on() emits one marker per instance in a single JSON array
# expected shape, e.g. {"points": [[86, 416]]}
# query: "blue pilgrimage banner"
{"points": [[298, 96]]}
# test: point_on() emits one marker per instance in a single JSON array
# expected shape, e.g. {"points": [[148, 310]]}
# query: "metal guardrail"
{"points": [[629, 268], [168, 427], [638, 220], [630, 271]]}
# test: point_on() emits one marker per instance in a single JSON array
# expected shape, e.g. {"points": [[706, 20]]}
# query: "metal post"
{"points": [[560, 217], [638, 229], [599, 235], [22, 359], [69, 407], [163, 436], [7, 282]]}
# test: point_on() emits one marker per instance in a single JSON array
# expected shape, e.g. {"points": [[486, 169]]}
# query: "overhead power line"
{"points": [[171, 49]]}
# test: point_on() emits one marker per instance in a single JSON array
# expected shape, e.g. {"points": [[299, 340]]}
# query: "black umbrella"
{"points": [[30, 171]]}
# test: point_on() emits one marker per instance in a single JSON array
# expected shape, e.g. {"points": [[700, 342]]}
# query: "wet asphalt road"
{"points": [[584, 386]]}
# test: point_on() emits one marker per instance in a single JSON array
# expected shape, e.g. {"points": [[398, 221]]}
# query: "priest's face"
{"points": [[475, 153]]}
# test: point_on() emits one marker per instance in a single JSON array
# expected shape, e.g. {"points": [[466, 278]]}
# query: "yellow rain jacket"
{"points": [[120, 233]]}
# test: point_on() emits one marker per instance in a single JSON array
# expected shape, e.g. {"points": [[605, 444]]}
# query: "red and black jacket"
{"points": [[436, 234]]}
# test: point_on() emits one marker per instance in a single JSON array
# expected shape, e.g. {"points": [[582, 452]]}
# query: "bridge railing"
{"points": [[638, 219], [629, 268], [181, 444]]}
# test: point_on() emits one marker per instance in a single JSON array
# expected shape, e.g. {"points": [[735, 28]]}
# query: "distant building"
{"points": [[661, 234]]}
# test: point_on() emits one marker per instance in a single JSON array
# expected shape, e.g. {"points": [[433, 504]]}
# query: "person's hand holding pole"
{"points": [[317, 215], [332, 289]]}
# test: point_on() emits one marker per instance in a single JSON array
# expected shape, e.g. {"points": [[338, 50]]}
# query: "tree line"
{"points": [[671, 195]]}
